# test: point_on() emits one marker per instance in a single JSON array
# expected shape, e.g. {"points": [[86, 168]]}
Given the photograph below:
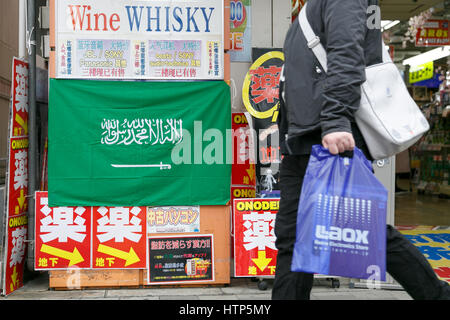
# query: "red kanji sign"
{"points": [[265, 84], [62, 236], [243, 167], [15, 253], [17, 182], [119, 237], [18, 176], [19, 98], [254, 238]]}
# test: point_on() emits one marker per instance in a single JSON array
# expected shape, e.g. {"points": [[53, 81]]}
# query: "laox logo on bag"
{"points": [[346, 234]]}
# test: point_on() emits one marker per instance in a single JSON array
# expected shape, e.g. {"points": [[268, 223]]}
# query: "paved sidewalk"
{"points": [[239, 289]]}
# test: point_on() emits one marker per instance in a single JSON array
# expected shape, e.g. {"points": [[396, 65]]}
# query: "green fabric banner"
{"points": [[129, 143]]}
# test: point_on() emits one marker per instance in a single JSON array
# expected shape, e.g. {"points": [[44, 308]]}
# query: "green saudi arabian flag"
{"points": [[129, 143]]}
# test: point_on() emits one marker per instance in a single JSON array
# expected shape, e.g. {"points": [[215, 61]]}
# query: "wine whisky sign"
{"points": [[124, 39]]}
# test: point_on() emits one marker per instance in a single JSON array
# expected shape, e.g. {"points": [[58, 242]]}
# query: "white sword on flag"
{"points": [[161, 166]]}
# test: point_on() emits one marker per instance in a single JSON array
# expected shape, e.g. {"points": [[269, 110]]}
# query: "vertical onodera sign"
{"points": [[17, 182], [125, 39]]}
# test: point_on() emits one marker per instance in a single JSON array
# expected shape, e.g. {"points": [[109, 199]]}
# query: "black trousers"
{"points": [[404, 262]]}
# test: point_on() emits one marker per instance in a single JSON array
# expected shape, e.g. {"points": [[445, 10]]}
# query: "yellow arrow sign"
{"points": [[14, 278], [251, 172], [21, 199], [23, 123], [130, 257], [262, 262], [74, 257]]}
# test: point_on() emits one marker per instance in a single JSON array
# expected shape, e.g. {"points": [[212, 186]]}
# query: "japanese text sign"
{"points": [[421, 72], [120, 39], [119, 237], [19, 98], [89, 237], [15, 253], [178, 219], [17, 181], [254, 238], [180, 259], [62, 236], [434, 33], [243, 168]]}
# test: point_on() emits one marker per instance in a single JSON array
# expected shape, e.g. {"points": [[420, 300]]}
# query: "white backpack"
{"points": [[388, 118]]}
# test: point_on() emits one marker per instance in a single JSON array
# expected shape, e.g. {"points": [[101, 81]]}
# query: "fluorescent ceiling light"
{"points": [[428, 56], [387, 24]]}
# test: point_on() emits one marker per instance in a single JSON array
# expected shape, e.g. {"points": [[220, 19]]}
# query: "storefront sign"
{"points": [[62, 236], [240, 31], [139, 143], [89, 237], [422, 72], [122, 39], [180, 259], [119, 237], [15, 251], [17, 181], [435, 246], [243, 168], [260, 94], [173, 219], [19, 127], [242, 192], [435, 33], [254, 238]]}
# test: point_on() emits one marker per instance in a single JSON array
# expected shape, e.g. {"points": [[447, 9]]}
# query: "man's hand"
{"points": [[338, 142]]}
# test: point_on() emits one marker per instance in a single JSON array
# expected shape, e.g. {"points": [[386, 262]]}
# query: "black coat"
{"points": [[316, 103]]}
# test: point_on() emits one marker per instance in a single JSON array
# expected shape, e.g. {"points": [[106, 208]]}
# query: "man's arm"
{"points": [[345, 29]]}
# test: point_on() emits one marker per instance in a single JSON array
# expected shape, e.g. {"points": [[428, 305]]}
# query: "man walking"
{"points": [[319, 108]]}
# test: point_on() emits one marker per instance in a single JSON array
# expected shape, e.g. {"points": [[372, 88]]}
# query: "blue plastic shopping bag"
{"points": [[341, 222]]}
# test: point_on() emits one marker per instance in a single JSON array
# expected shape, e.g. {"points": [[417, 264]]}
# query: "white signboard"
{"points": [[125, 39], [173, 219]]}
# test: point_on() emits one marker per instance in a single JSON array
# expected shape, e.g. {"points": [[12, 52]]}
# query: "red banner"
{"points": [[62, 236], [89, 237], [17, 181], [254, 238], [19, 98], [15, 253], [243, 167], [119, 237], [434, 33]]}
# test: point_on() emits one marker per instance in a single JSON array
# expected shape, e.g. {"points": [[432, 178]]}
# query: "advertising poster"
{"points": [[180, 259], [240, 31], [434, 33], [141, 143], [421, 72], [89, 237], [17, 181], [435, 246], [119, 237], [173, 219], [62, 236], [19, 127], [254, 238], [15, 253], [120, 39], [260, 94], [243, 167]]}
